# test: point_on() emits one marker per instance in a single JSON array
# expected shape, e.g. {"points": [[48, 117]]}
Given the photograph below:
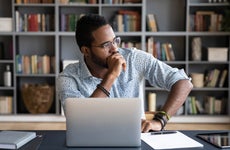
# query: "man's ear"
{"points": [[85, 50]]}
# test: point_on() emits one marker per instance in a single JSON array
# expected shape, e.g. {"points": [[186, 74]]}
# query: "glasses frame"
{"points": [[107, 45]]}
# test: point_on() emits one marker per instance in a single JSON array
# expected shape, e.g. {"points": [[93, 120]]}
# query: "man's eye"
{"points": [[105, 45]]}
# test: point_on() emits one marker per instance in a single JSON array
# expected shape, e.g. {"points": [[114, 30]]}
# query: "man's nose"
{"points": [[113, 49]]}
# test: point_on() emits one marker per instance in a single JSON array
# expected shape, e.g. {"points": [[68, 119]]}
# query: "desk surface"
{"points": [[55, 140]]}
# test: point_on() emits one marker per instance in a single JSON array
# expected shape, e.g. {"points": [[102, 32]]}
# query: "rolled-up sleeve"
{"points": [[158, 73]]}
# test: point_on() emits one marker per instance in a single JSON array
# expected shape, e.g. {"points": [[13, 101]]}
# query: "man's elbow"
{"points": [[187, 84], [184, 84]]}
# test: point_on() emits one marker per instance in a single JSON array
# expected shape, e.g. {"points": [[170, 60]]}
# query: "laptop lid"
{"points": [[103, 122]]}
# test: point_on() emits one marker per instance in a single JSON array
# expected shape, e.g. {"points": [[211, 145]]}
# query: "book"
{"points": [[152, 102], [150, 45], [171, 52], [193, 103], [218, 106], [223, 77], [199, 107], [6, 106], [165, 51], [45, 64], [215, 75], [209, 104], [19, 63], [212, 77], [151, 22], [189, 105], [119, 21], [15, 139], [26, 65]]}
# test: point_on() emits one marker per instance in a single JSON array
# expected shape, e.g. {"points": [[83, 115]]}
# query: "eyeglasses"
{"points": [[108, 45]]}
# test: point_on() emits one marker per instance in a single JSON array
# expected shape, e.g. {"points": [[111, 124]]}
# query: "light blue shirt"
{"points": [[77, 81]]}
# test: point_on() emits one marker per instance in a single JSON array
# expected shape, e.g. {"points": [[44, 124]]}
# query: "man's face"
{"points": [[101, 48]]}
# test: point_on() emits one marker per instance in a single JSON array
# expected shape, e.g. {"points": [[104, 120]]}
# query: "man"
{"points": [[109, 71]]}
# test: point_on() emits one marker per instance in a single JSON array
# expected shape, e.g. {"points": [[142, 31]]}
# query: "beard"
{"points": [[97, 60]]}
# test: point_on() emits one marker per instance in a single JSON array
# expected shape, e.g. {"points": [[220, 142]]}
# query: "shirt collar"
{"points": [[85, 73]]}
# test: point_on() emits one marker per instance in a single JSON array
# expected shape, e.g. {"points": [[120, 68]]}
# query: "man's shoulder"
{"points": [[131, 51], [68, 63], [134, 53], [71, 68]]}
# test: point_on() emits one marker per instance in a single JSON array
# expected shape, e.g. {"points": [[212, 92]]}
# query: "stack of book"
{"points": [[215, 78], [161, 51], [26, 22], [127, 21], [214, 105], [68, 21], [205, 21], [209, 105], [130, 44], [35, 64]]}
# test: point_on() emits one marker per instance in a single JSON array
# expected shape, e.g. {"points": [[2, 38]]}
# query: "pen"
{"points": [[163, 132]]}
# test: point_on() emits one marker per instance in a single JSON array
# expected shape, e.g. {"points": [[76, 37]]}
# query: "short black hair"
{"points": [[85, 26]]}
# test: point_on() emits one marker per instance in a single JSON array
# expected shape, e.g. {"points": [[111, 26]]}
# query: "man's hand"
{"points": [[148, 125], [116, 63]]}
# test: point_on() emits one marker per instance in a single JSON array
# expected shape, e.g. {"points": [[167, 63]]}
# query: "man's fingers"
{"points": [[124, 66], [115, 54]]}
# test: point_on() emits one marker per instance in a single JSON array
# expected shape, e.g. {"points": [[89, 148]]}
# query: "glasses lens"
{"points": [[117, 40], [107, 45]]}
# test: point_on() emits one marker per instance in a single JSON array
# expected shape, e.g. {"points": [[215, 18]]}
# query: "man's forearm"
{"points": [[106, 83]]}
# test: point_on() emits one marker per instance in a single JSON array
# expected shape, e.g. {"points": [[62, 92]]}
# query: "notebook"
{"points": [[169, 140], [103, 122], [15, 139]]}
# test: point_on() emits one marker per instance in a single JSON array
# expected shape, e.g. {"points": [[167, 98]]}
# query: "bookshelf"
{"points": [[58, 42], [176, 29], [6, 58], [213, 38]]}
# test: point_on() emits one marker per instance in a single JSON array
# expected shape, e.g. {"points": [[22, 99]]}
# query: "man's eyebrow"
{"points": [[106, 41]]}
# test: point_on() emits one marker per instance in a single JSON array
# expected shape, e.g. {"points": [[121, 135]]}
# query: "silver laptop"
{"points": [[103, 122]]}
